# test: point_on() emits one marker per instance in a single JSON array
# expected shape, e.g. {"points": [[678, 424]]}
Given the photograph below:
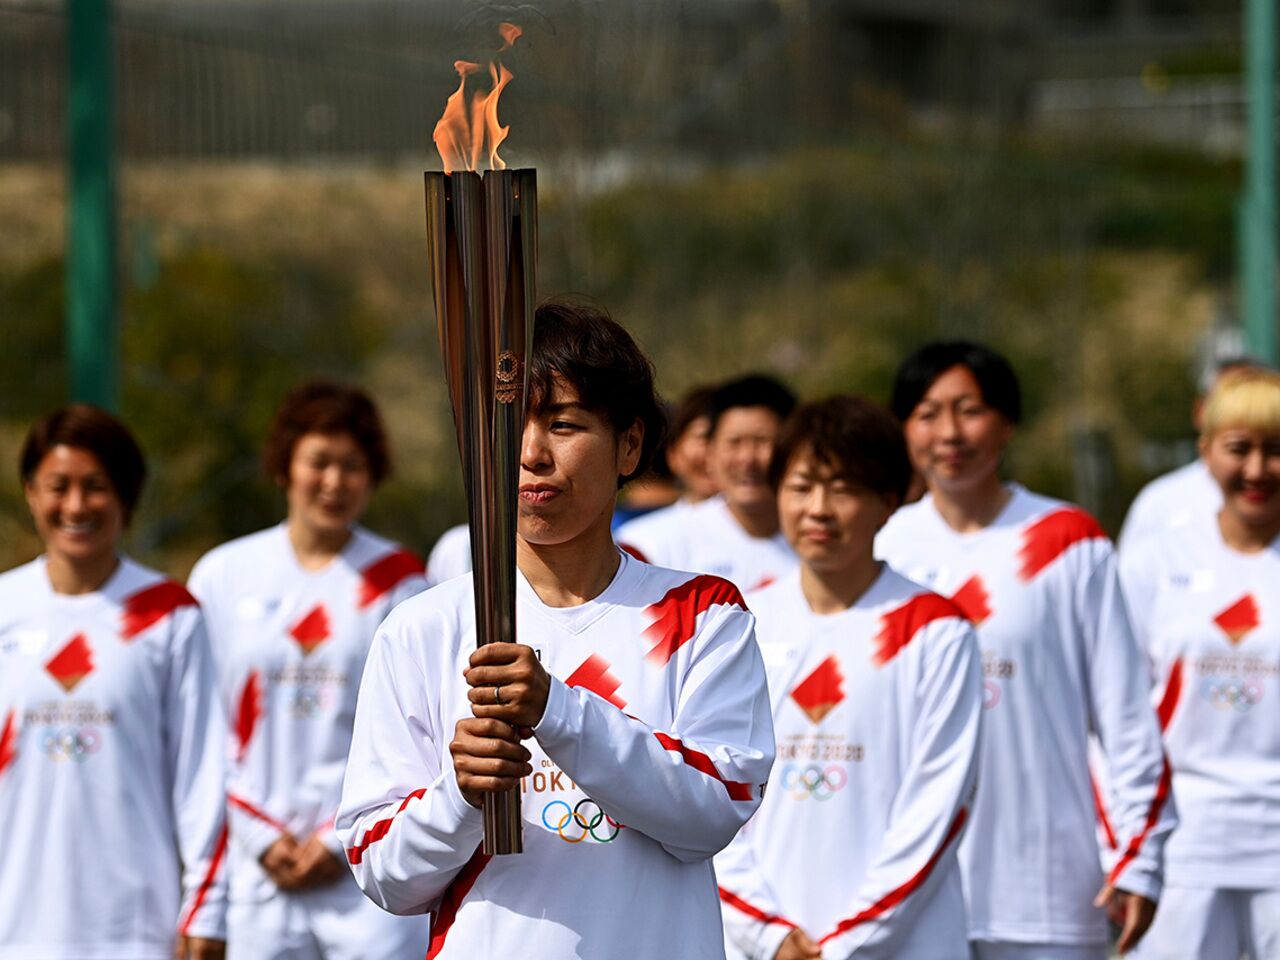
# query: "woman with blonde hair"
{"points": [[1205, 601]]}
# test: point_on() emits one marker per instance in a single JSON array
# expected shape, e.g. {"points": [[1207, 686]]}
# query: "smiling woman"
{"points": [[1037, 577], [110, 732], [879, 681], [292, 611], [1206, 603]]}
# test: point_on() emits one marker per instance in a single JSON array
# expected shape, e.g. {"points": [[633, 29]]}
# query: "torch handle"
{"points": [[503, 833]]}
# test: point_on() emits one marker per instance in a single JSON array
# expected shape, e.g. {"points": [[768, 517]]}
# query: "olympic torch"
{"points": [[482, 247]]}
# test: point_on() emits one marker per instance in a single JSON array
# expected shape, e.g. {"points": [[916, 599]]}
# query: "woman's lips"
{"points": [[538, 492], [817, 536]]}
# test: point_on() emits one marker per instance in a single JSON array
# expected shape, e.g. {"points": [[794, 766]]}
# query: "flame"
{"points": [[465, 127]]}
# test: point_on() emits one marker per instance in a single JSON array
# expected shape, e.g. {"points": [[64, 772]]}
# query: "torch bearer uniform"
{"points": [[1171, 502], [451, 556], [111, 770], [1060, 661], [876, 711], [291, 645], [653, 751], [1209, 618], [705, 538]]}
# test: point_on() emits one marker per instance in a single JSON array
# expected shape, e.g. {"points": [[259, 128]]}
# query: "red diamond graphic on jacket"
{"points": [[973, 600], [72, 663], [1239, 619], [594, 675], [820, 692], [313, 629]]}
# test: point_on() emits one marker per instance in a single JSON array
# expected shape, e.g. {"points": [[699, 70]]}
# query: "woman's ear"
{"points": [[630, 445]]}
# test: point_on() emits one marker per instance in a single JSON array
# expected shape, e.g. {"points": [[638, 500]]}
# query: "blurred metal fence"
{"points": [[190, 87]]}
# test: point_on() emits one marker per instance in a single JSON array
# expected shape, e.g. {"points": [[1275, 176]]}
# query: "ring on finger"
{"points": [[497, 695]]}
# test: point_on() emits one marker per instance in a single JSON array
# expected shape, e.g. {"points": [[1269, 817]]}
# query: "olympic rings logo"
{"points": [[308, 702], [69, 743], [1238, 695], [990, 694], [584, 819], [811, 780]]}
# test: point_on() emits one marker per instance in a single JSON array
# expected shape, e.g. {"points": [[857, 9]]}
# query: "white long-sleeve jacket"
{"points": [[291, 646], [877, 712], [1060, 661], [705, 538], [111, 770], [653, 751], [1170, 502], [1209, 618]]}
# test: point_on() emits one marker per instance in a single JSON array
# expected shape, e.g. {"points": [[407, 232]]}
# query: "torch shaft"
{"points": [[482, 247]]}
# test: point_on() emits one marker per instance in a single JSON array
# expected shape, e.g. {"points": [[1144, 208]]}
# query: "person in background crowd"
{"points": [[1037, 577], [685, 455], [1205, 600], [292, 610], [687, 446], [451, 556], [651, 494], [876, 687], [735, 534], [639, 694], [1177, 499], [111, 736]]}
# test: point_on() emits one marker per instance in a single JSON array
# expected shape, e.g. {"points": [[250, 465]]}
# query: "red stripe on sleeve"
{"points": [[9, 740], [454, 894], [899, 627], [1050, 537], [1103, 820], [702, 763], [895, 897], [248, 714], [1172, 692], [148, 607], [384, 575], [1153, 817], [735, 901], [219, 849], [675, 616], [380, 829], [256, 812]]}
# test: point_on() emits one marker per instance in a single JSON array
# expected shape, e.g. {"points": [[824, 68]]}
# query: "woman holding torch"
{"points": [[292, 610], [1037, 577], [632, 714], [111, 736], [1206, 604]]}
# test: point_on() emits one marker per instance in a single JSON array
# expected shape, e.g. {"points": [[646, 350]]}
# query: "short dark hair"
{"points": [[859, 439], [104, 436], [753, 390], [694, 404], [580, 343], [322, 406], [996, 379]]}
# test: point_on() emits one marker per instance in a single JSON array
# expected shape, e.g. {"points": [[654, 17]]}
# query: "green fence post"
{"points": [[91, 327], [1258, 212]]}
